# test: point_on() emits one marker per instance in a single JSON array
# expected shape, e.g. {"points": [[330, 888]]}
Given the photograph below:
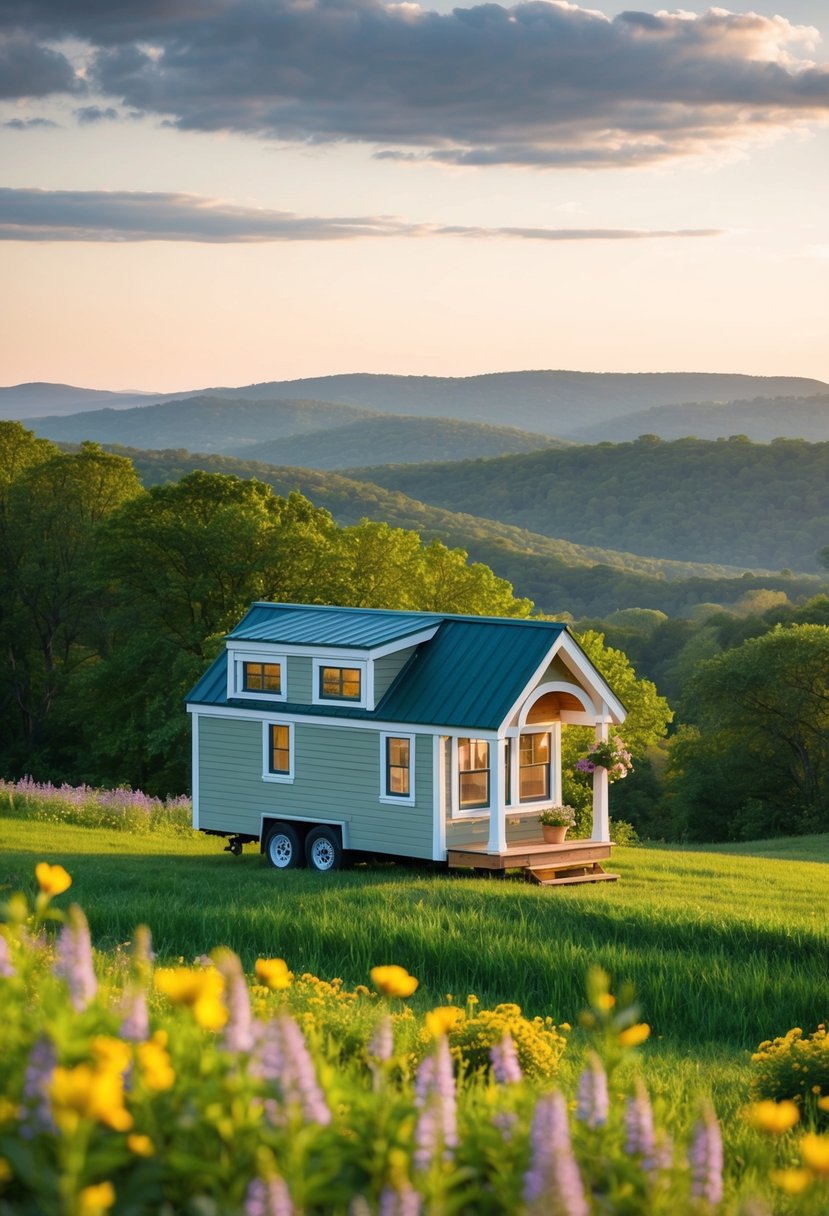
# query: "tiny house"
{"points": [[322, 731]]}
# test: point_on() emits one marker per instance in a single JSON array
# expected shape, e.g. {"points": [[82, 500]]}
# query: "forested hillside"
{"points": [[761, 420], [755, 505]]}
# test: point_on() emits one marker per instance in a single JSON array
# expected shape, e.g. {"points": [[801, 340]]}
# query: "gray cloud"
{"points": [[94, 215], [539, 83], [28, 124], [30, 70], [88, 115]]}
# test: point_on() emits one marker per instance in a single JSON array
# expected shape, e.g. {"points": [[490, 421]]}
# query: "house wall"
{"points": [[387, 669], [336, 777], [300, 679], [460, 832]]}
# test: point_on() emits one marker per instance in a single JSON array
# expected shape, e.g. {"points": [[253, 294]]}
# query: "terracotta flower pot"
{"points": [[553, 835]]}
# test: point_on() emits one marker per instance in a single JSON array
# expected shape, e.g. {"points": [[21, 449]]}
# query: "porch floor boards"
{"points": [[546, 864]]}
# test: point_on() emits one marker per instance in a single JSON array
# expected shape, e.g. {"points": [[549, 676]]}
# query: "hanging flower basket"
{"points": [[610, 754]]}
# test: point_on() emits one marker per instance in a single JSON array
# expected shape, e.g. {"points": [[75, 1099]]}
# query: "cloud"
{"points": [[28, 124], [539, 83], [28, 69], [87, 115], [126, 216]]}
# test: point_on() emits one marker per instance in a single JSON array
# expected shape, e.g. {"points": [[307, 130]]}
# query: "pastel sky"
{"points": [[205, 192]]}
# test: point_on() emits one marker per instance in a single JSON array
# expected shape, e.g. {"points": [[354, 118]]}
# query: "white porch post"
{"points": [[498, 811], [601, 808]]}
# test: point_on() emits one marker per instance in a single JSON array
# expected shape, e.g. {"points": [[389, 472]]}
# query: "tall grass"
{"points": [[122, 810], [724, 949]]}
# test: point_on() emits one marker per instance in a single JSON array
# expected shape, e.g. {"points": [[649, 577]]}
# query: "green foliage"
{"points": [[756, 759], [793, 1066]]}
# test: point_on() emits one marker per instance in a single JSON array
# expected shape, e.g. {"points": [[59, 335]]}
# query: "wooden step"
{"points": [[554, 878]]}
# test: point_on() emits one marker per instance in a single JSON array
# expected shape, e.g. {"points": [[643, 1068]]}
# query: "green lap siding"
{"points": [[387, 669], [336, 777], [300, 679]]}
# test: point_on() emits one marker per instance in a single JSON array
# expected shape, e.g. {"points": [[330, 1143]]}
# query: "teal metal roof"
{"points": [[468, 675], [352, 628]]}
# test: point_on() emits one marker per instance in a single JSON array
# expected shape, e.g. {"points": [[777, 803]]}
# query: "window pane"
{"points": [[272, 677], [399, 752], [541, 748], [330, 681], [480, 754], [351, 682], [463, 755], [280, 749], [474, 789], [534, 782]]}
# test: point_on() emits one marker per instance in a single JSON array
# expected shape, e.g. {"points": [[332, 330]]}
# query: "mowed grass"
{"points": [[725, 947]]}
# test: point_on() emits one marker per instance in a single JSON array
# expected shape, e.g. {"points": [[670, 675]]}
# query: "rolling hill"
{"points": [[732, 501], [401, 439], [761, 420]]}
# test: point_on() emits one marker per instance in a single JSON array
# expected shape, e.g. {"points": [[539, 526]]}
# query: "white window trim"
{"points": [[397, 799], [236, 676], [361, 664], [477, 812], [267, 775]]}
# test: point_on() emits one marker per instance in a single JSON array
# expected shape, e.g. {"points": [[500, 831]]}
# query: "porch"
{"points": [[548, 865]]}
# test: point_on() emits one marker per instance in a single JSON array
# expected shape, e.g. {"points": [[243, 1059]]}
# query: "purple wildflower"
{"points": [[706, 1159], [505, 1066], [593, 1100], [436, 1132], [6, 966], [282, 1057], [640, 1140], [239, 1031], [41, 1065], [553, 1185], [506, 1122], [135, 1025], [268, 1198], [74, 960], [404, 1201]]}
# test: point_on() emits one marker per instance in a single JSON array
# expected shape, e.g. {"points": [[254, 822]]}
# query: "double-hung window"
{"points": [[278, 751], [534, 767], [397, 768], [473, 774]]}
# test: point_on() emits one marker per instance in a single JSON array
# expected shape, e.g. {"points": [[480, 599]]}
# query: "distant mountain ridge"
{"points": [[557, 403], [761, 420]]}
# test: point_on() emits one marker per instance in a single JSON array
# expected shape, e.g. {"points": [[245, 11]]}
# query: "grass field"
{"points": [[725, 947]]}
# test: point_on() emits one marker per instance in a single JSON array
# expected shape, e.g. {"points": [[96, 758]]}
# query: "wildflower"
{"points": [[505, 1066], [393, 981], [823, 1104], [815, 1153], [773, 1117], [274, 973], [6, 967], [141, 1145], [52, 880], [157, 1072], [8, 1110], [239, 1033], [84, 1092], [381, 1045], [42, 1061], [268, 1198], [593, 1101], [400, 1201], [634, 1035], [96, 1200], [282, 1056], [553, 1184], [640, 1139], [111, 1054], [135, 1025], [199, 991], [436, 1133], [74, 960], [706, 1159], [443, 1020], [792, 1181]]}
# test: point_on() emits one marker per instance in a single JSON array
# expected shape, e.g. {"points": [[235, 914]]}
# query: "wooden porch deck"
{"points": [[542, 863]]}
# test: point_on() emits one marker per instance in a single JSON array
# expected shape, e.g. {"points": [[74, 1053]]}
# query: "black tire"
{"points": [[283, 848], [323, 850]]}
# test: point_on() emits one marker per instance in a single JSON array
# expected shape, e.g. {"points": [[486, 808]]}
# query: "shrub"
{"points": [[123, 810], [796, 1068]]}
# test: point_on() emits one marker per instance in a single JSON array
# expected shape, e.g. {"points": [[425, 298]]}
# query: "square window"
{"points": [[262, 677], [340, 683]]}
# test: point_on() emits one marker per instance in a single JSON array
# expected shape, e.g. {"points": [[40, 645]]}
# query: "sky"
{"points": [[220, 192]]}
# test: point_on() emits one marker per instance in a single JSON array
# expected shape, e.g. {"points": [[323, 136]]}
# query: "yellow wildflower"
{"points": [[792, 1181], [815, 1153], [96, 1200], [393, 981], [52, 880], [5, 1171], [274, 973], [200, 991], [605, 1000], [443, 1020], [157, 1072], [141, 1145], [773, 1117], [634, 1035], [111, 1054], [8, 1110], [823, 1104], [88, 1093]]}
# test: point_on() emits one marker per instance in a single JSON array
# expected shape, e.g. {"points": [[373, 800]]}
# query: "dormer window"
{"points": [[340, 683], [262, 677]]}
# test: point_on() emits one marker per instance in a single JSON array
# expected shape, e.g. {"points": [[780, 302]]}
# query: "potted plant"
{"points": [[555, 821]]}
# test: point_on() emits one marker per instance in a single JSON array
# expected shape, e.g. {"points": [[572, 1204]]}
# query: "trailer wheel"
{"points": [[323, 850], [283, 848]]}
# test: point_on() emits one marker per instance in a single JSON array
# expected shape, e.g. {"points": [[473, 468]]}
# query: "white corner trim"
{"points": [[438, 799], [267, 775], [195, 775]]}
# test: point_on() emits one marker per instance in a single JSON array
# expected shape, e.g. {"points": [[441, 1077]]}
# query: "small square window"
{"points": [[340, 683], [262, 677]]}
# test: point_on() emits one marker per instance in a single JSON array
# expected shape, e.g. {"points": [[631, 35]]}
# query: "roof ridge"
{"points": [[433, 615]]}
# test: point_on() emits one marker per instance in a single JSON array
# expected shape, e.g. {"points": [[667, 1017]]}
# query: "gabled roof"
{"points": [[468, 675], [318, 625]]}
